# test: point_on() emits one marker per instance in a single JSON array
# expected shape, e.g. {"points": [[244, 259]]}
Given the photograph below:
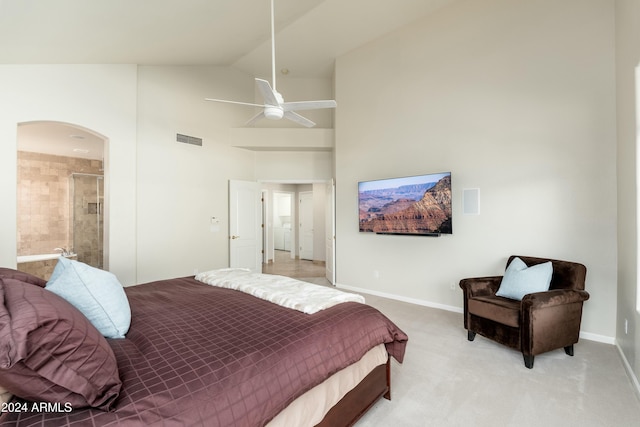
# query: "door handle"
{"points": [[235, 237]]}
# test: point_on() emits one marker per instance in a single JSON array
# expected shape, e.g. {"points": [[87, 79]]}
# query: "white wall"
{"points": [[516, 98], [180, 186], [294, 166], [98, 97], [628, 113], [162, 194]]}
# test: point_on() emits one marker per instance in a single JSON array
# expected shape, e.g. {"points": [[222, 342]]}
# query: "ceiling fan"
{"points": [[274, 107]]}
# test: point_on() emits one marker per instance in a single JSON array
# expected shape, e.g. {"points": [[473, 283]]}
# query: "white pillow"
{"points": [[96, 293], [520, 280]]}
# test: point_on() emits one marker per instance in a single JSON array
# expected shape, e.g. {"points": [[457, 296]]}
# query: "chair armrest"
{"points": [[480, 286], [551, 319], [553, 298]]}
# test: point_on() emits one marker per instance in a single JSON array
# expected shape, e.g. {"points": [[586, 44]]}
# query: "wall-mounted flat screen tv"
{"points": [[419, 205]]}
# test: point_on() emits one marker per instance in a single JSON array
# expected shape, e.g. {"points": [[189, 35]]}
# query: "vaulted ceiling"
{"points": [[310, 34]]}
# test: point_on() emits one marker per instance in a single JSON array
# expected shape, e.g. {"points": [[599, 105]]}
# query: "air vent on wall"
{"points": [[189, 139]]}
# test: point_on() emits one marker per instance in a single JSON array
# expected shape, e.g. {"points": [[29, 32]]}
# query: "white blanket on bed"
{"points": [[285, 291]]}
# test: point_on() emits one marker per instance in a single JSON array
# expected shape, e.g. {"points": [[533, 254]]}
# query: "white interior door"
{"points": [[330, 231], [305, 224], [265, 227], [245, 225]]}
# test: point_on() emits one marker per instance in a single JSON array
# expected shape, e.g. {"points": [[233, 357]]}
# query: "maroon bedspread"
{"points": [[201, 355]]}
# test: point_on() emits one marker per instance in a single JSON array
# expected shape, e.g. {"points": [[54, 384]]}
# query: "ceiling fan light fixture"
{"points": [[273, 112], [274, 107]]}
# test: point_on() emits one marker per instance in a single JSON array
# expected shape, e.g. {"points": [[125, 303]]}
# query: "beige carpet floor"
{"points": [[446, 380]]}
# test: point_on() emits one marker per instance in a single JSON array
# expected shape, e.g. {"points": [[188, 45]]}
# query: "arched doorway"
{"points": [[60, 195]]}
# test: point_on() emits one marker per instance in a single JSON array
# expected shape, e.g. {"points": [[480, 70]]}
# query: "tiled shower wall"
{"points": [[43, 200], [88, 222]]}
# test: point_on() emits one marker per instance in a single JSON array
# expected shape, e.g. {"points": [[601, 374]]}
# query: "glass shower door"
{"points": [[87, 228]]}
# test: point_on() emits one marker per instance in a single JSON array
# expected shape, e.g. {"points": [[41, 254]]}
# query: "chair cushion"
{"points": [[520, 280], [498, 309]]}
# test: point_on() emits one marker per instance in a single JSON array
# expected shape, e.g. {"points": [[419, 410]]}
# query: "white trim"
{"points": [[401, 298], [598, 338], [35, 258], [583, 335], [637, 105], [629, 370]]}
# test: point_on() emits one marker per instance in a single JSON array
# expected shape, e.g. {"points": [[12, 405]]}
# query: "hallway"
{"points": [[285, 266]]}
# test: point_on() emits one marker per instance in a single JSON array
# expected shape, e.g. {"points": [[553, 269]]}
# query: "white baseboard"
{"points": [[401, 298], [598, 338], [583, 335], [630, 373]]}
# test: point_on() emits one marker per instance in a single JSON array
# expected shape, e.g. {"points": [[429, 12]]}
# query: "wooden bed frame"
{"points": [[357, 402]]}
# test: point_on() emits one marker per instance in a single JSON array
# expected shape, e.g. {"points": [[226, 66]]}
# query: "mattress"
{"points": [[311, 407]]}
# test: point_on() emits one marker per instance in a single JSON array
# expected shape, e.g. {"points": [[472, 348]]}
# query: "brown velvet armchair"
{"points": [[541, 322]]}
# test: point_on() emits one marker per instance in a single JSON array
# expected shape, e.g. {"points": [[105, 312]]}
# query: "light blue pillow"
{"points": [[96, 293], [520, 280]]}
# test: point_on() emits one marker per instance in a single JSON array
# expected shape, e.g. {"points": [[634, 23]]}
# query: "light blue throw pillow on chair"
{"points": [[520, 280], [95, 293]]}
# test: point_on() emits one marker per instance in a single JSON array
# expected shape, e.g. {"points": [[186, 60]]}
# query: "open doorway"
{"points": [[289, 254], [282, 209], [61, 200]]}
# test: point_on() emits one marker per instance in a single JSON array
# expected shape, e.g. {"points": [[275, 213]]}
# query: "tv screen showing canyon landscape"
{"points": [[419, 205]]}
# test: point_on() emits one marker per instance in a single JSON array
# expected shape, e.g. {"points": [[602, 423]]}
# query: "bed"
{"points": [[194, 355]]}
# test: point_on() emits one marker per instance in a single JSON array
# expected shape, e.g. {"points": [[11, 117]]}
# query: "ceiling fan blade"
{"points": [[274, 106], [267, 93], [234, 102], [295, 117], [255, 118], [308, 105]]}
